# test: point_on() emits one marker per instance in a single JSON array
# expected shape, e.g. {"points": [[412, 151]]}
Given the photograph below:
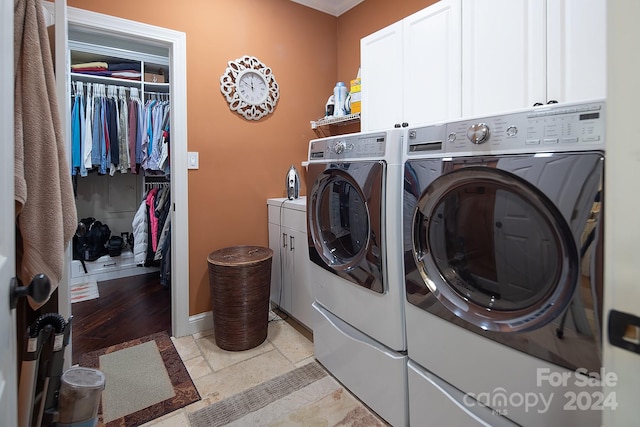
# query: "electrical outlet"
{"points": [[192, 159]]}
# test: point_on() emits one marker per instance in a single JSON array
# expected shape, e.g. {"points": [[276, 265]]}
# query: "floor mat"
{"points": [[84, 291]]}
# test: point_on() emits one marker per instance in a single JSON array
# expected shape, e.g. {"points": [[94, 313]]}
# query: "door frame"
{"points": [[175, 41], [8, 344]]}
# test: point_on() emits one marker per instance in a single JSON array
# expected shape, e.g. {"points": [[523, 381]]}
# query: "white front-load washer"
{"points": [[503, 267], [354, 231]]}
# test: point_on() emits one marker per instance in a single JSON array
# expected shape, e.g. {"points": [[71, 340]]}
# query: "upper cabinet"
{"points": [[503, 55], [476, 57], [517, 53], [576, 50], [411, 69], [381, 70]]}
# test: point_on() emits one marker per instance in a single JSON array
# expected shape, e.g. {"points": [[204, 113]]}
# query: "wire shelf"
{"points": [[335, 120]]}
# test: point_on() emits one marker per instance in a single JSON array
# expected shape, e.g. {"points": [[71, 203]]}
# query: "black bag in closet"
{"points": [[90, 240]]}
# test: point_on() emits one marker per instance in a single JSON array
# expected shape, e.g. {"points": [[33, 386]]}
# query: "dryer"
{"points": [[355, 248], [503, 267]]}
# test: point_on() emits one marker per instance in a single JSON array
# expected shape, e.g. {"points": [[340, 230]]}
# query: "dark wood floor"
{"points": [[128, 308]]}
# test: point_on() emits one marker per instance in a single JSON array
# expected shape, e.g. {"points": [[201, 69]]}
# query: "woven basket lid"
{"points": [[239, 255]]}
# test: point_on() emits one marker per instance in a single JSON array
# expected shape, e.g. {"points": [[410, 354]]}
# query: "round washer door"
{"points": [[344, 228], [494, 249]]}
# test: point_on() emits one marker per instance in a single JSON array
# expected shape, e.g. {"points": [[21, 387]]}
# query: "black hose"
{"points": [[55, 320]]}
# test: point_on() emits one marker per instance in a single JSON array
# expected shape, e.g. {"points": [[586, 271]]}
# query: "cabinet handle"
{"points": [[284, 240], [109, 264], [291, 243]]}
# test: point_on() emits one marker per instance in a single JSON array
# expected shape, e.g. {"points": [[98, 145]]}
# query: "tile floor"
{"points": [[219, 374]]}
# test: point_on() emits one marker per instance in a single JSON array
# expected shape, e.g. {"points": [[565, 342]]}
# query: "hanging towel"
{"points": [[44, 205]]}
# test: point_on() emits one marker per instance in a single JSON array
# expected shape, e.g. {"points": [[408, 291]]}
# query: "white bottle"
{"points": [[339, 97]]}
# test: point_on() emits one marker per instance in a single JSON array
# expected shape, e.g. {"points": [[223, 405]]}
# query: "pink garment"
{"points": [[153, 220]]}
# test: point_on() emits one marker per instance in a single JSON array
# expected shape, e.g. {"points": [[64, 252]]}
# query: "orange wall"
{"points": [[243, 163]]}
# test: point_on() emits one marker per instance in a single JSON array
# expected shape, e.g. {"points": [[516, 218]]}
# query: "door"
{"points": [[502, 41], [175, 41], [8, 378], [344, 214], [621, 223], [476, 232], [432, 73], [576, 50], [381, 71], [301, 295]]}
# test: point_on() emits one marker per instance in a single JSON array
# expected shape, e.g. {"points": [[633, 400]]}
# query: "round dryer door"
{"points": [[494, 249], [344, 231]]}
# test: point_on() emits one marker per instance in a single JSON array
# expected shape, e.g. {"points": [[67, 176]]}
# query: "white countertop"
{"points": [[299, 204]]}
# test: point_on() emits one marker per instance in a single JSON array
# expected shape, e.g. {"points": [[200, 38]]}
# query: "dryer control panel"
{"points": [[555, 127], [355, 146]]}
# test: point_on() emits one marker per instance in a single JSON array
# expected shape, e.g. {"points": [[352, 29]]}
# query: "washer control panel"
{"points": [[548, 128], [355, 146]]}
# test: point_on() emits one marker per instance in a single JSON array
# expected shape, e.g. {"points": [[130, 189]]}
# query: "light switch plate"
{"points": [[193, 160]]}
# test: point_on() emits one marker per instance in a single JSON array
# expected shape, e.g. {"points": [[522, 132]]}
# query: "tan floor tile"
{"points": [[197, 367], [219, 359], [305, 361], [202, 403], [174, 419], [291, 343], [244, 375], [186, 347], [202, 334]]}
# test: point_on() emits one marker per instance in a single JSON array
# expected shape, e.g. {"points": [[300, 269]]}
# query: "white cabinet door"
{"points": [[280, 292], [503, 55], [381, 73], [301, 293], [290, 284], [411, 69], [576, 50], [432, 64]]}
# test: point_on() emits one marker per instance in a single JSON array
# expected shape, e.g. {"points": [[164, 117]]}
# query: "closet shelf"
{"points": [[105, 80], [336, 120]]}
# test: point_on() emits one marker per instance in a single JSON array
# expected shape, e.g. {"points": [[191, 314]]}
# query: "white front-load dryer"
{"points": [[503, 265], [354, 231]]}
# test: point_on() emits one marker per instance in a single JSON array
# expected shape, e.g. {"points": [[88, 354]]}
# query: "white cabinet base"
{"points": [[290, 286]]}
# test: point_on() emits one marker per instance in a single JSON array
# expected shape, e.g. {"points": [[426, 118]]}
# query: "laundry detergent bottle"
{"points": [[339, 98]]}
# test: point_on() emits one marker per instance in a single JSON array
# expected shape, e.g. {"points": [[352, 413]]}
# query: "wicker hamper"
{"points": [[240, 278]]}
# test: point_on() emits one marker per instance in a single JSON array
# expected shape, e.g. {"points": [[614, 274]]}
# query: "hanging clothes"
{"points": [[112, 131]]}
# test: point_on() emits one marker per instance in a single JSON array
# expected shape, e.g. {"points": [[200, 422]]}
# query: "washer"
{"points": [[355, 247], [503, 268]]}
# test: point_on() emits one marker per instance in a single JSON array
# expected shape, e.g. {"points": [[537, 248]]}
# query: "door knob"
{"points": [[38, 289]]}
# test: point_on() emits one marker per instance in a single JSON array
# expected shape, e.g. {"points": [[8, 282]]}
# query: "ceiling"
{"points": [[332, 7]]}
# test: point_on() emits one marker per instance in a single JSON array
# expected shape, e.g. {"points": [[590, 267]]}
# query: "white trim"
{"points": [[200, 323], [335, 7], [175, 41], [8, 344]]}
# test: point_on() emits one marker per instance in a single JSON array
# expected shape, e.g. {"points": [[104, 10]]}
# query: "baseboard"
{"points": [[200, 322]]}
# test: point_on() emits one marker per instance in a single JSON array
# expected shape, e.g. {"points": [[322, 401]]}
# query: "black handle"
{"points": [[624, 330], [38, 290]]}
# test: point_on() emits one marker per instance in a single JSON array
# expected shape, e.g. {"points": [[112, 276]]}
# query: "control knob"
{"points": [[478, 133], [339, 147]]}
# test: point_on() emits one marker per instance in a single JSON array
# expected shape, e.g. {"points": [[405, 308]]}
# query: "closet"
{"points": [[120, 133], [88, 36]]}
